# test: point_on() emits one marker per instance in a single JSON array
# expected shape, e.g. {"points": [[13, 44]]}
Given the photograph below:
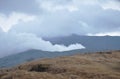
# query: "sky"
{"points": [[23, 23]]}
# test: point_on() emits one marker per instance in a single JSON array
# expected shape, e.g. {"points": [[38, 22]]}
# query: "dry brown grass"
{"points": [[100, 65]]}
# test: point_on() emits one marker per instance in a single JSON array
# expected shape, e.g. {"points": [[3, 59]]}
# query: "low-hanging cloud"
{"points": [[55, 18], [12, 42], [117, 33]]}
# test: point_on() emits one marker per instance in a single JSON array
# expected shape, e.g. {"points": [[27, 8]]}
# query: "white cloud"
{"points": [[105, 34], [111, 4], [75, 5], [62, 17], [54, 6], [106, 4], [85, 2], [70, 47], [7, 22], [12, 42]]}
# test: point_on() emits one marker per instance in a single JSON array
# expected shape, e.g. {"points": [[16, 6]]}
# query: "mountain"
{"points": [[100, 65], [92, 43], [30, 55]]}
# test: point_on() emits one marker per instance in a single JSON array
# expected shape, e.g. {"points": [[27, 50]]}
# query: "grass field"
{"points": [[100, 65]]}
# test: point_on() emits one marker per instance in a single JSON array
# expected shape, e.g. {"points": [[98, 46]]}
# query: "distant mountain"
{"points": [[93, 43], [30, 55]]}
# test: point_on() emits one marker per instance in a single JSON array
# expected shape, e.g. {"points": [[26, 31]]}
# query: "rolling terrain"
{"points": [[91, 44], [100, 65]]}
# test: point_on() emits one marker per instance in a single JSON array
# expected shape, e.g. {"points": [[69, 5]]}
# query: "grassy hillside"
{"points": [[100, 65]]}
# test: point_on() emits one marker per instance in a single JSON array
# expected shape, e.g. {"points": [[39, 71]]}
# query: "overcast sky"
{"points": [[61, 17], [22, 21]]}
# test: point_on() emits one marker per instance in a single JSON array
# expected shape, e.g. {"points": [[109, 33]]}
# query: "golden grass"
{"points": [[99, 65]]}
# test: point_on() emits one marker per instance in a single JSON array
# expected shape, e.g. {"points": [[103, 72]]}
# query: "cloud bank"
{"points": [[21, 24], [105, 34], [6, 23], [60, 18], [12, 42]]}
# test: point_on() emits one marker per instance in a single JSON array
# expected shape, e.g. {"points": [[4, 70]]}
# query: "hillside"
{"points": [[100, 65], [91, 43], [30, 55]]}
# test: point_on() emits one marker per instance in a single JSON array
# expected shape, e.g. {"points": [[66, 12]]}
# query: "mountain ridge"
{"points": [[92, 44]]}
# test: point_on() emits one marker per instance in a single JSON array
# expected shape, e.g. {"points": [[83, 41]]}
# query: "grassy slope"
{"points": [[101, 65]]}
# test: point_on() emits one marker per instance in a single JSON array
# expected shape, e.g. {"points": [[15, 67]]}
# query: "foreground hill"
{"points": [[100, 65]]}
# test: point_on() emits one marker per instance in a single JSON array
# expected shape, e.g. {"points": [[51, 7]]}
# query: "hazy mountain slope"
{"points": [[93, 43], [101, 65], [29, 55]]}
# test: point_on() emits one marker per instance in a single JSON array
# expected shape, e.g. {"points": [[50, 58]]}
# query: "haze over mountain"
{"points": [[91, 43], [19, 42], [22, 25], [64, 35]]}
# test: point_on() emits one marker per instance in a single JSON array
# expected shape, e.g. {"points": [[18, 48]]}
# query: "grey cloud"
{"points": [[89, 17], [26, 6], [64, 23], [12, 42]]}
